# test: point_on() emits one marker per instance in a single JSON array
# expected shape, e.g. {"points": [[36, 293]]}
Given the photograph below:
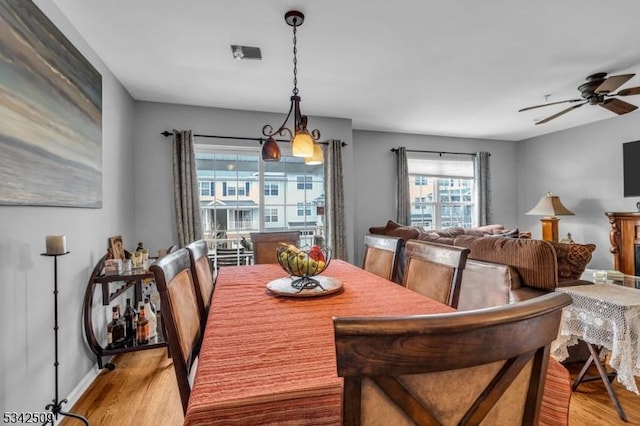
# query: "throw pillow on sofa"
{"points": [[572, 259], [396, 230], [405, 232], [513, 233]]}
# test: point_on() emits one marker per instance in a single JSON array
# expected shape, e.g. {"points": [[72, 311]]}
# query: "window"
{"points": [[441, 190], [305, 182], [271, 189], [207, 188], [304, 211], [270, 215], [239, 209], [233, 189]]}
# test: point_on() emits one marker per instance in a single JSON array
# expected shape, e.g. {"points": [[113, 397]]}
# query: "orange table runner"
{"points": [[269, 360]]}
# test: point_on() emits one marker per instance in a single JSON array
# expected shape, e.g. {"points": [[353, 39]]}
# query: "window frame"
{"points": [[272, 190], [433, 203]]}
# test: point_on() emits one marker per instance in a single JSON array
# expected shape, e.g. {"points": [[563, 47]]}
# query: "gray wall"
{"points": [[26, 278], [155, 215], [583, 166], [375, 177]]}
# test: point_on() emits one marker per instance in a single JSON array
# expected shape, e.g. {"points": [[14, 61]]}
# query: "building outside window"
{"points": [[207, 188], [271, 189], [304, 210], [271, 215], [246, 194], [305, 182], [421, 180], [442, 190]]}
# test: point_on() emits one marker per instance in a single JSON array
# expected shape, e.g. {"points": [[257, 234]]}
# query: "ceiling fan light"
{"points": [[270, 150], [317, 157], [302, 144]]}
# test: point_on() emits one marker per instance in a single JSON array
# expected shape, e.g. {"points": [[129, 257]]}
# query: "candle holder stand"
{"points": [[56, 406]]}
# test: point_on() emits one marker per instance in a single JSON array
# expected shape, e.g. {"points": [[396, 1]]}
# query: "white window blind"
{"points": [[429, 164]]}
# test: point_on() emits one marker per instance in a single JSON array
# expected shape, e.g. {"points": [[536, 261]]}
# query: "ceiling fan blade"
{"points": [[564, 111], [630, 91], [552, 103], [618, 106], [612, 83]]}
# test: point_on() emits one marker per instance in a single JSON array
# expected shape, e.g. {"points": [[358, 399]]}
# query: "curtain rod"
{"points": [[166, 134], [473, 154]]}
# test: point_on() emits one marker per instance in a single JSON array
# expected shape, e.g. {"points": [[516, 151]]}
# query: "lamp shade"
{"points": [[270, 150], [549, 205], [317, 157], [302, 144]]}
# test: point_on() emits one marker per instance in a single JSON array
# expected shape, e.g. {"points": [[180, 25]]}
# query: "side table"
{"points": [[607, 316]]}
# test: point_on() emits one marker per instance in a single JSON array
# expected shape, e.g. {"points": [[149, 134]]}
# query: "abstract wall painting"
{"points": [[50, 114]]}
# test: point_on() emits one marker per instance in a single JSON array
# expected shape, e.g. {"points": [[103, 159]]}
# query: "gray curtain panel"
{"points": [[185, 188], [483, 188], [404, 203], [334, 210]]}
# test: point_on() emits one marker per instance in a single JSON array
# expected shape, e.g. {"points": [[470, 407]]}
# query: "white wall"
{"points": [[375, 175], [26, 278], [583, 166], [155, 215]]}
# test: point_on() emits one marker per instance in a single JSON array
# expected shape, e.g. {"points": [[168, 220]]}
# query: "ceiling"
{"points": [[439, 67]]}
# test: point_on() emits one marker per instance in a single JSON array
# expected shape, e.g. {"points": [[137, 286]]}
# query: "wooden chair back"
{"points": [[229, 256], [381, 255], [180, 315], [265, 244], [462, 368], [435, 270], [202, 277]]}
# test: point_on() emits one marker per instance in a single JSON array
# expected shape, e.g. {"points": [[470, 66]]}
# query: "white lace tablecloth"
{"points": [[607, 315]]}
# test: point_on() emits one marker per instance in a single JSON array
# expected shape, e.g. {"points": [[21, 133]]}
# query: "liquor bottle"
{"points": [[116, 330], [129, 319], [142, 331], [110, 330], [149, 311]]}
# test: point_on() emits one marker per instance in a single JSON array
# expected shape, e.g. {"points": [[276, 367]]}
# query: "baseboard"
{"points": [[77, 392]]}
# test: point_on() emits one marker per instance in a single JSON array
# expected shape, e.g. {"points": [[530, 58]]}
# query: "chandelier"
{"points": [[303, 142]]}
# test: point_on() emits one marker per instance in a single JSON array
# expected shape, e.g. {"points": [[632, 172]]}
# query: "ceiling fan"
{"points": [[597, 91]]}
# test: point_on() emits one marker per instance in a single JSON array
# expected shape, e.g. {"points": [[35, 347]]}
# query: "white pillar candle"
{"points": [[56, 244]]}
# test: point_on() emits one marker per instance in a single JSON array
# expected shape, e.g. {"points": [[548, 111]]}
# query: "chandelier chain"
{"points": [[295, 60]]}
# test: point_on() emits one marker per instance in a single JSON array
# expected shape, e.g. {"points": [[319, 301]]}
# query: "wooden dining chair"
{"points": [[181, 316], [265, 244], [229, 257], [381, 255], [435, 270], [202, 277], [466, 367]]}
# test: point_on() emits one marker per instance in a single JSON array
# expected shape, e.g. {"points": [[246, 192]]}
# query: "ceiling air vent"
{"points": [[245, 52]]}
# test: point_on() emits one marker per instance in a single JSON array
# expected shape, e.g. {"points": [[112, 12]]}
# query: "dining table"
{"points": [[270, 359]]}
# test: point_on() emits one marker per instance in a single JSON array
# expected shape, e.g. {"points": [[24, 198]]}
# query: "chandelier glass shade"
{"points": [[271, 150], [317, 157], [303, 141]]}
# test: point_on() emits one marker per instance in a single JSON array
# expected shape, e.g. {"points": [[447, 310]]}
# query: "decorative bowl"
{"points": [[303, 263]]}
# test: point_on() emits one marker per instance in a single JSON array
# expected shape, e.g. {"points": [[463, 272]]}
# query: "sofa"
{"points": [[502, 266]]}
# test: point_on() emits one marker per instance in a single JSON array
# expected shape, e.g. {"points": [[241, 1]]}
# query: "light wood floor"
{"points": [[142, 390]]}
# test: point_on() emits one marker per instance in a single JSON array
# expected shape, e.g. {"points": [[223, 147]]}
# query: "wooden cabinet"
{"points": [[112, 286], [624, 235]]}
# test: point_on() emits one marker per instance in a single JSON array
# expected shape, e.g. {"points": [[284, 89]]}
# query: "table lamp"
{"points": [[549, 206]]}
